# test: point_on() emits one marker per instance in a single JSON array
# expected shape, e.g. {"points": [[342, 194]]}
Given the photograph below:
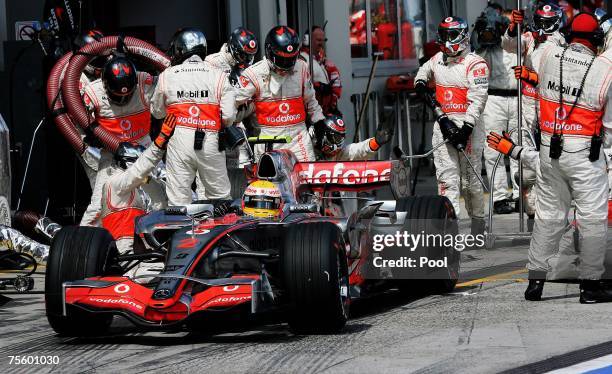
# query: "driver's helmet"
{"points": [[453, 36], [127, 154], [262, 199], [547, 18], [330, 134]]}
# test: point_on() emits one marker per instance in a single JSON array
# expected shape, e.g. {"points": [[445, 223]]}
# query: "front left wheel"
{"points": [[77, 253]]}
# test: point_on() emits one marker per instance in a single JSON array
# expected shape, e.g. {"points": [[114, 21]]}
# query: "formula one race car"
{"points": [[303, 265]]}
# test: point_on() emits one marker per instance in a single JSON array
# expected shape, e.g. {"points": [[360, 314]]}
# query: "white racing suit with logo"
{"points": [[130, 123], [573, 175], [500, 114], [363, 150], [563, 265], [532, 52], [237, 158], [461, 89], [281, 105], [124, 199], [202, 99]]}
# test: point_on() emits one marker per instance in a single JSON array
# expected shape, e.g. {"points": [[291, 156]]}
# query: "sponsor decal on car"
{"points": [[115, 301], [229, 299], [346, 173]]}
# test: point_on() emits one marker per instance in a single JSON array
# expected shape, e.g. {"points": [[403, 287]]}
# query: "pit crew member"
{"points": [[123, 199], [461, 88], [282, 90], [572, 164], [325, 74], [547, 20], [235, 55], [202, 99], [329, 135], [119, 102], [500, 112]]}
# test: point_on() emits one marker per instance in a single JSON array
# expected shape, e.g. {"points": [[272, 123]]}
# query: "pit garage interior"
{"points": [[55, 182], [484, 326]]}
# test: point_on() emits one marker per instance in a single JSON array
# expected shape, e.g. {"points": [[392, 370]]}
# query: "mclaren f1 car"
{"points": [[303, 265]]}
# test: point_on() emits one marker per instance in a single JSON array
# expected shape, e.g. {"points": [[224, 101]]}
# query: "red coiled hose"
{"points": [[70, 83], [56, 105]]}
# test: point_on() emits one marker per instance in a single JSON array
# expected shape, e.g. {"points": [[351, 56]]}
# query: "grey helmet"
{"points": [[127, 153], [185, 43]]}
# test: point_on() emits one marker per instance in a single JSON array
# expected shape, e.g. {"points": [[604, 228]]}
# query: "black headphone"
{"points": [[597, 37]]}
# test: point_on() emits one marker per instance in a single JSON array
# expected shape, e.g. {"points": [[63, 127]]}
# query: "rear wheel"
{"points": [[315, 274], [427, 215], [77, 253]]}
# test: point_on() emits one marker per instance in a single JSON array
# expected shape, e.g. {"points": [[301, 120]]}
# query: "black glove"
{"points": [[384, 133], [221, 140], [420, 87], [232, 137], [222, 207], [466, 131], [316, 131], [234, 75], [451, 132], [323, 88]]}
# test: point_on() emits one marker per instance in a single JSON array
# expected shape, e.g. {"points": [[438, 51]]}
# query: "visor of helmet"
{"points": [[262, 202], [335, 138], [120, 99], [284, 63], [242, 57], [547, 24], [451, 35]]}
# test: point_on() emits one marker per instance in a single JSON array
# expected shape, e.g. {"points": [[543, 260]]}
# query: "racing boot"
{"points": [[530, 222], [536, 285], [502, 207], [478, 226], [593, 291]]}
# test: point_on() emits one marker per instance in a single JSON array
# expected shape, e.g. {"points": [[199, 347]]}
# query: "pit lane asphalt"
{"points": [[484, 326]]}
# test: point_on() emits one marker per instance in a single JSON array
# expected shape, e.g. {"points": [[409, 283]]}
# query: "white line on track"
{"points": [[599, 365]]}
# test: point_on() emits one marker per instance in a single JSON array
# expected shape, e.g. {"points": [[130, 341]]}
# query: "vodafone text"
{"points": [[342, 175]]}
